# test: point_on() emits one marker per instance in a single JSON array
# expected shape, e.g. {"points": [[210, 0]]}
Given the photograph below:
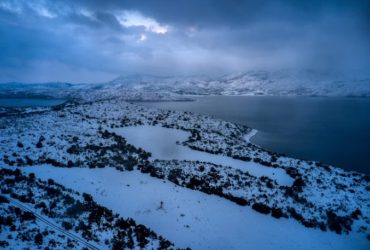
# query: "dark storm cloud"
{"points": [[234, 12], [96, 40]]}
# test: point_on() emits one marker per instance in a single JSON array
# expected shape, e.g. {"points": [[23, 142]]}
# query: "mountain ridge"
{"points": [[279, 83]]}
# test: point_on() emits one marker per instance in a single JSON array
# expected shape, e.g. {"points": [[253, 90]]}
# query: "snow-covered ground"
{"points": [[191, 218], [37, 214], [165, 144], [203, 204]]}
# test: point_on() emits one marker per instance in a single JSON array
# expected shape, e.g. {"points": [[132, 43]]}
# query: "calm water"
{"points": [[331, 130], [29, 102]]}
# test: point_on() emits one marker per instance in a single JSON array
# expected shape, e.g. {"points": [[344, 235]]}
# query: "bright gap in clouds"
{"points": [[134, 18], [142, 38]]}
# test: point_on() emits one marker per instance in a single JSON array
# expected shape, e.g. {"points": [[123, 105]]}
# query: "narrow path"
{"points": [[52, 225]]}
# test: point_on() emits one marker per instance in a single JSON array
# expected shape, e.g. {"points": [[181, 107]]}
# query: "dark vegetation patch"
{"points": [[210, 136], [76, 214], [261, 208], [219, 180]]}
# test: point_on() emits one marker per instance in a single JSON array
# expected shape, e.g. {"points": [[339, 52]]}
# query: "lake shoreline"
{"points": [[252, 133], [310, 128]]}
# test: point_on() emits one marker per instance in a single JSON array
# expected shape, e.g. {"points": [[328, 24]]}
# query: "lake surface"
{"points": [[328, 129], [29, 102]]}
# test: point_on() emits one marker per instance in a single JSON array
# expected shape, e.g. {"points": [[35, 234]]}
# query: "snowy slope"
{"points": [[148, 87], [216, 188], [191, 218], [251, 83]]}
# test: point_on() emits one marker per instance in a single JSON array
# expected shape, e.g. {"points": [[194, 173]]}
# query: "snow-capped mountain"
{"points": [[250, 83], [281, 83]]}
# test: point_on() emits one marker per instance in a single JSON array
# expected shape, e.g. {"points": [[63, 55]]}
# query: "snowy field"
{"points": [[188, 195], [164, 144], [191, 218]]}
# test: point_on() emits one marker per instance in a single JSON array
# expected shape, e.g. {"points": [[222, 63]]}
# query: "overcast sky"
{"points": [[94, 41]]}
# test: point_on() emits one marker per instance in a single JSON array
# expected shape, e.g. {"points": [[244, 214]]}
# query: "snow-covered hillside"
{"points": [[251, 83], [147, 87], [163, 179], [213, 190]]}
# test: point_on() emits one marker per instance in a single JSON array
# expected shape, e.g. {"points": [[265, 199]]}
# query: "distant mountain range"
{"points": [[280, 83]]}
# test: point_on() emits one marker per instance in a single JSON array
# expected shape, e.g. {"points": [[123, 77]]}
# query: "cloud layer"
{"points": [[94, 41]]}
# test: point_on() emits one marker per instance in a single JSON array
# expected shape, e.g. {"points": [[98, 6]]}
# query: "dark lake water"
{"points": [[29, 102], [331, 130]]}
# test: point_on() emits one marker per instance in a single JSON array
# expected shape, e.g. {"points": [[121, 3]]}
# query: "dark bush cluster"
{"points": [[89, 215], [101, 155], [40, 141], [339, 224], [261, 208]]}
